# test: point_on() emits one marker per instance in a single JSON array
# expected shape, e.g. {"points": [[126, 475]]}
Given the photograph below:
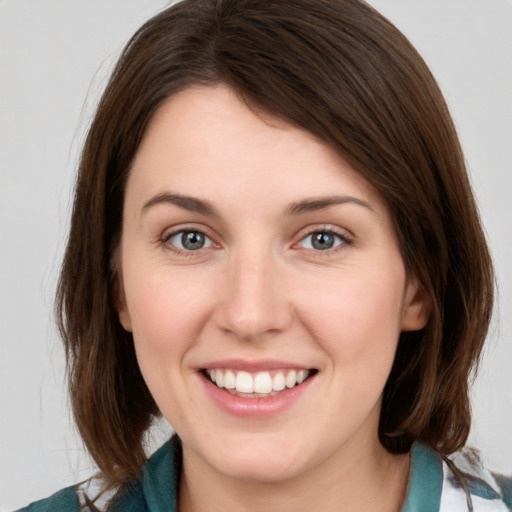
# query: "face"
{"points": [[263, 283]]}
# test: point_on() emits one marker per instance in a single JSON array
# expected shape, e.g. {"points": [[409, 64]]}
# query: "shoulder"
{"points": [[156, 486], [468, 485], [65, 500], [455, 483]]}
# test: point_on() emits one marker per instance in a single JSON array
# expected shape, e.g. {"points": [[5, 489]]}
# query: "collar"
{"points": [[160, 479], [425, 481]]}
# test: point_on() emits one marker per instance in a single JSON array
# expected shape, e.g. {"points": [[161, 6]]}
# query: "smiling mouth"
{"points": [[258, 384]]}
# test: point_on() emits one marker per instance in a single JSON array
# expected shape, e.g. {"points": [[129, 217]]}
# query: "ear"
{"points": [[417, 306], [120, 304]]}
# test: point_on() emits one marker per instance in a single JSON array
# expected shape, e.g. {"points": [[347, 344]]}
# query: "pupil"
{"points": [[192, 240], [322, 241]]}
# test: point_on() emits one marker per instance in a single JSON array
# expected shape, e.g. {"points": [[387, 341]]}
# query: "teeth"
{"points": [[219, 378], [301, 376], [278, 382], [259, 383], [244, 382], [229, 380], [291, 379], [263, 383]]}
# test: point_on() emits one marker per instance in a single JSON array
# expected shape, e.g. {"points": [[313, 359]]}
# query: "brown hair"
{"points": [[340, 70]]}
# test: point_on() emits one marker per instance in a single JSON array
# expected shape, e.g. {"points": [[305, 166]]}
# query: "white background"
{"points": [[55, 56]]}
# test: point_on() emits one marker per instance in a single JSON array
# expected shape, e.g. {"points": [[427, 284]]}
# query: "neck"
{"points": [[357, 481]]}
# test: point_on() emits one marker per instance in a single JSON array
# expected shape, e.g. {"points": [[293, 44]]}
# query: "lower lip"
{"points": [[262, 407]]}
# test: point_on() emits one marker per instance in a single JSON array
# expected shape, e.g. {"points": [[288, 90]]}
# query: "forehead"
{"points": [[206, 141], [206, 119], [205, 130]]}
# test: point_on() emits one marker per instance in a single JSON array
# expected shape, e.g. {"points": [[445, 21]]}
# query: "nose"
{"points": [[254, 303]]}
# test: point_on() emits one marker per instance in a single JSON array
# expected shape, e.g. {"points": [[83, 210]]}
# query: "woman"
{"points": [[274, 244]]}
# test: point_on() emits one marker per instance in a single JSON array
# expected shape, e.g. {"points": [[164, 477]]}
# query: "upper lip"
{"points": [[253, 366]]}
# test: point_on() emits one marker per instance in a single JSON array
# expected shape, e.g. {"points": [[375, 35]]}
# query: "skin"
{"points": [[260, 290]]}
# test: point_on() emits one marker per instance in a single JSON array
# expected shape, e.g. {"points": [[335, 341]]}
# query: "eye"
{"points": [[322, 240], [189, 240]]}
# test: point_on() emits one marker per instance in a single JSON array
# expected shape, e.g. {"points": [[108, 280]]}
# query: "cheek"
{"points": [[167, 311], [357, 320], [167, 314]]}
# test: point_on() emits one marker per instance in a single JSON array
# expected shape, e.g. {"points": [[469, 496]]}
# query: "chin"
{"points": [[270, 460], [265, 470]]}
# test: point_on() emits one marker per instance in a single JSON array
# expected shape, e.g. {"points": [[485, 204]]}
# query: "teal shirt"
{"points": [[157, 488]]}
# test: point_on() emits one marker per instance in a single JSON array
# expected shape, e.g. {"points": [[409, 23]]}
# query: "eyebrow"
{"points": [[187, 202], [300, 207], [320, 203]]}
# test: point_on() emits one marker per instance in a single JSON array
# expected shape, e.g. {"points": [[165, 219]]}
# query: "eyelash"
{"points": [[167, 237], [343, 238]]}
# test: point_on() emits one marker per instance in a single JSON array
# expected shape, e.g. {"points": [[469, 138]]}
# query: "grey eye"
{"points": [[189, 240], [321, 240]]}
